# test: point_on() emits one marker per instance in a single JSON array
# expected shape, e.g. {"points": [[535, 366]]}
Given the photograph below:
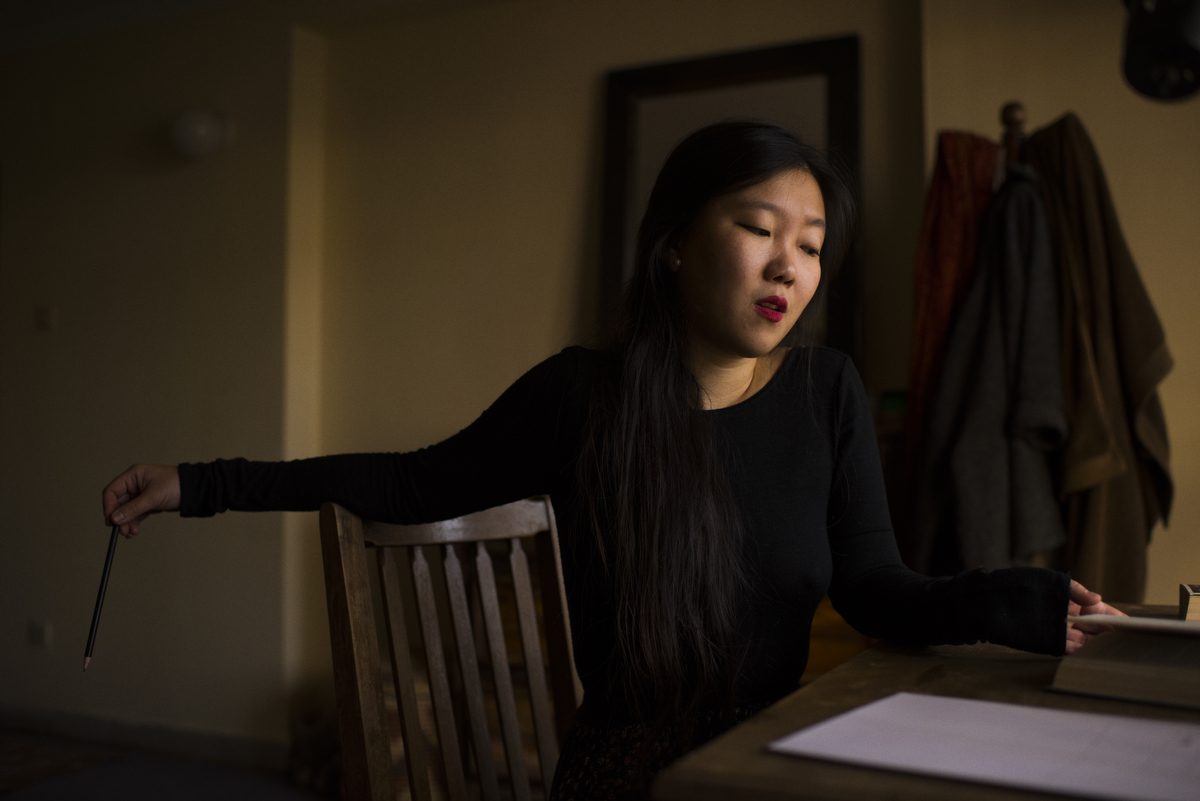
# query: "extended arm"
{"points": [[1020, 607], [510, 452]]}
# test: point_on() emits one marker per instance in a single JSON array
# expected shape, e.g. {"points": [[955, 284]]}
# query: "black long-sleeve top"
{"points": [[804, 468]]}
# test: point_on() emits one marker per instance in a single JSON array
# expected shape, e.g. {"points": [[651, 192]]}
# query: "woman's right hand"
{"points": [[140, 491]]}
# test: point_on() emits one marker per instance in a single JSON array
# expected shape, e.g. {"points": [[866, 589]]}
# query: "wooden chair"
{"points": [[452, 608]]}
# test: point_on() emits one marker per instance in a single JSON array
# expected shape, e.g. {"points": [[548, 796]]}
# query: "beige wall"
{"points": [[1065, 56], [305, 633], [165, 278]]}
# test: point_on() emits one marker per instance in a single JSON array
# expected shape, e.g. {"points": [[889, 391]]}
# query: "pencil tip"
{"points": [[87, 660]]}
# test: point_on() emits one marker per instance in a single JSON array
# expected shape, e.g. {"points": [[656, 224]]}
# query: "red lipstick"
{"points": [[771, 307]]}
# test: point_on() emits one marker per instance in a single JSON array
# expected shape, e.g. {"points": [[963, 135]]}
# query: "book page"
{"points": [[1156, 624], [1075, 753]]}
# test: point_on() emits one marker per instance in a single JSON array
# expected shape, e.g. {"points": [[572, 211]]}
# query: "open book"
{"points": [[1138, 659]]}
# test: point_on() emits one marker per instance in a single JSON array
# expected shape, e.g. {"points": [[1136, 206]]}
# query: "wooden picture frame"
{"points": [[809, 87]]}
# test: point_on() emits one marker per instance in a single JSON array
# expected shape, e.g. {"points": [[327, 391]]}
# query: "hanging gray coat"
{"points": [[995, 426]]}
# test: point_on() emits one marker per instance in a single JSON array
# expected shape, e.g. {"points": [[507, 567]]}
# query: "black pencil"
{"points": [[91, 641]]}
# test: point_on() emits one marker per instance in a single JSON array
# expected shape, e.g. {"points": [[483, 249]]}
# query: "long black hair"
{"points": [[654, 495]]}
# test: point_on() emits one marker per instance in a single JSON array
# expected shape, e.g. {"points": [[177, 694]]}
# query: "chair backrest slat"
{"points": [[564, 680], [535, 667], [439, 685], [468, 661], [366, 756], [466, 607], [500, 673], [403, 675]]}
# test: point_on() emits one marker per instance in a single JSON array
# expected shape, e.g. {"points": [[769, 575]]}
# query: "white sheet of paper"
{"points": [[1074, 753]]}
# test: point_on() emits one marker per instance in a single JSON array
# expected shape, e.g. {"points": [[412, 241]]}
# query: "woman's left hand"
{"points": [[1085, 602]]}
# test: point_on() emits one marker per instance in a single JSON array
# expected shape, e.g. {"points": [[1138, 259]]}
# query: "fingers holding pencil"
{"points": [[128, 499], [142, 490]]}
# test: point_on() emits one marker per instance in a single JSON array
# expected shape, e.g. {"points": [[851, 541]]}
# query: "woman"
{"points": [[712, 481]]}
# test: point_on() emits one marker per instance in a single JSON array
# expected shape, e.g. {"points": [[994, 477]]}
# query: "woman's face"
{"points": [[749, 264]]}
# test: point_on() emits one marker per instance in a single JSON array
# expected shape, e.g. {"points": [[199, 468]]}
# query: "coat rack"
{"points": [[1012, 117]]}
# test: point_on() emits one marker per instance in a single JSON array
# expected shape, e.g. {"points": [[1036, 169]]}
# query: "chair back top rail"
{"points": [[520, 519]]}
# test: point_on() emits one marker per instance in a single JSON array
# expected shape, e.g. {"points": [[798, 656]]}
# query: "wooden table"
{"points": [[738, 765]]}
